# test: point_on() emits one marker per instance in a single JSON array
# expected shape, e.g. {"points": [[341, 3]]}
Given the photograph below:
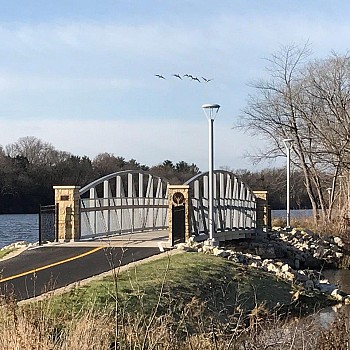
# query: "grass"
{"points": [[183, 301], [218, 282], [184, 286], [6, 251]]}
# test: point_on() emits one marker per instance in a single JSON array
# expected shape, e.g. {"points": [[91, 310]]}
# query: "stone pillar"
{"points": [[178, 195], [68, 200], [263, 214]]}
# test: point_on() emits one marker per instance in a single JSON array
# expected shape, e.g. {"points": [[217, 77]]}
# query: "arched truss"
{"points": [[234, 203], [125, 201]]}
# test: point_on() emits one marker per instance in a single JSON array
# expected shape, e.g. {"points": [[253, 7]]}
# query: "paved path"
{"points": [[52, 266]]}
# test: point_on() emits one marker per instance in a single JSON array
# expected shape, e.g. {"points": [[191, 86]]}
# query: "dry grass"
{"points": [[32, 328]]}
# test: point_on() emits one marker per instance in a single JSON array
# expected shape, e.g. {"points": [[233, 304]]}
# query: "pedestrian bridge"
{"points": [[124, 202], [136, 201]]}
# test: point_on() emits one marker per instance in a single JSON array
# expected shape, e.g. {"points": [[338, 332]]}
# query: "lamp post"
{"points": [[211, 110], [288, 144], [329, 190]]}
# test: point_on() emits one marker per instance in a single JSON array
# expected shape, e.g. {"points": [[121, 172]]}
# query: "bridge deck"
{"points": [[159, 238]]}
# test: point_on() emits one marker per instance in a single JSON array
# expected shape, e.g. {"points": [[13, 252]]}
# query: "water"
{"points": [[18, 227], [340, 278], [294, 213]]}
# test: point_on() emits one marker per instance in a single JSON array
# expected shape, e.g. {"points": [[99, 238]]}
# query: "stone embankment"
{"points": [[297, 256]]}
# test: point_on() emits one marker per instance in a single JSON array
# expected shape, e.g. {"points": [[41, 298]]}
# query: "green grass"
{"points": [[183, 278]]}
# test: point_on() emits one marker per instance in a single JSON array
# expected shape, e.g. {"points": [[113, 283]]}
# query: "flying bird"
{"points": [[188, 76], [177, 76], [159, 76], [207, 80], [195, 78]]}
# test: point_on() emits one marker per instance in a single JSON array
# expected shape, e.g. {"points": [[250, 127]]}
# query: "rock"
{"points": [[242, 259], [309, 285], [338, 294], [325, 287], [183, 246], [220, 252], [288, 275], [272, 267], [266, 252], [285, 268], [338, 241], [207, 249], [234, 258], [301, 277], [253, 264]]}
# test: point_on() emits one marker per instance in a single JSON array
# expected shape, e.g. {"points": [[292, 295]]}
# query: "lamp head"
{"points": [[288, 143], [211, 110]]}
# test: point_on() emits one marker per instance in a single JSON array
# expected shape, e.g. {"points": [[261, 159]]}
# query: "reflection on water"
{"points": [[341, 278]]}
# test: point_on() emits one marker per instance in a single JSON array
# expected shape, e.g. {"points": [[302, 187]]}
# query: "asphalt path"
{"points": [[40, 270]]}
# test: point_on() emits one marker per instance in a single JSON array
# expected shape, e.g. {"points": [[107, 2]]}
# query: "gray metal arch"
{"points": [[234, 203], [125, 201]]}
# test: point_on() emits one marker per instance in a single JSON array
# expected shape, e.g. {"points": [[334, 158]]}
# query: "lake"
{"points": [[294, 213], [18, 227]]}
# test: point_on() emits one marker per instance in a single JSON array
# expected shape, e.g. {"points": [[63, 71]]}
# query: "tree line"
{"points": [[30, 167]]}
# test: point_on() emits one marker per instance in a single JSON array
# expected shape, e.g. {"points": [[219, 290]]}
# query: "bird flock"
{"points": [[187, 76]]}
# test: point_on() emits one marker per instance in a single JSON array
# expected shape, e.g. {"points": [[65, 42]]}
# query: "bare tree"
{"points": [[307, 101], [107, 163], [33, 149]]}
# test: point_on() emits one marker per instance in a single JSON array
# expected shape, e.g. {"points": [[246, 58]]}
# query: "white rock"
{"points": [[338, 294], [253, 264], [221, 253], [338, 241], [271, 267], [285, 268], [207, 249], [289, 275], [182, 246]]}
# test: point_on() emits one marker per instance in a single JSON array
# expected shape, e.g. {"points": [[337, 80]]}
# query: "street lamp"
{"points": [[210, 111], [288, 144]]}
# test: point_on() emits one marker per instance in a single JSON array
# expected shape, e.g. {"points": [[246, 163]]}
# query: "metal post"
{"points": [[288, 187], [210, 111], [211, 185], [40, 230], [288, 145]]}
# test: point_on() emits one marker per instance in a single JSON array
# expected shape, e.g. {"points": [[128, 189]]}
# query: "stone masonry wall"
{"points": [[68, 200]]}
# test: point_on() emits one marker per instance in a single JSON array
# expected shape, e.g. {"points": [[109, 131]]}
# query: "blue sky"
{"points": [[80, 74]]}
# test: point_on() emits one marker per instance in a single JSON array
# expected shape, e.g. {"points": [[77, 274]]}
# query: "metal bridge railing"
{"points": [[102, 216]]}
